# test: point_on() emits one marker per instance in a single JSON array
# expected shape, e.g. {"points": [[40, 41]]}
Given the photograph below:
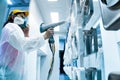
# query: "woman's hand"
{"points": [[26, 31], [48, 33]]}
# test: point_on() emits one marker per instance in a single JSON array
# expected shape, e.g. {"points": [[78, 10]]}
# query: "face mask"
{"points": [[20, 21]]}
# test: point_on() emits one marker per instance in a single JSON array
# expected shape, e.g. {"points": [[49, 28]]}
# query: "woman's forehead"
{"points": [[21, 14]]}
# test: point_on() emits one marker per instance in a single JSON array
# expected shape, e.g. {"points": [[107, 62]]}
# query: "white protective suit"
{"points": [[13, 47]]}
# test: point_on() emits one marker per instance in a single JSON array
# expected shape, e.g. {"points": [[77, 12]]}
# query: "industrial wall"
{"points": [[108, 60], [3, 12], [111, 51]]}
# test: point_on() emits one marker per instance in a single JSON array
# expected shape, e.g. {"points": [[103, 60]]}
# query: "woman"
{"points": [[15, 42]]}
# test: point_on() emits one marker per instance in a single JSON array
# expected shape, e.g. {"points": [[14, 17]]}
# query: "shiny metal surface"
{"points": [[110, 3], [111, 18]]}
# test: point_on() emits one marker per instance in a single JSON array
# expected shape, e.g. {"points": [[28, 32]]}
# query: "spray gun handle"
{"points": [[51, 40]]}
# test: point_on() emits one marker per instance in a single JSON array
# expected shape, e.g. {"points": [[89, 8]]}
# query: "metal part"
{"points": [[110, 17]]}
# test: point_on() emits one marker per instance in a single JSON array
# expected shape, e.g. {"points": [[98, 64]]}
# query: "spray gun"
{"points": [[51, 42], [45, 27]]}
